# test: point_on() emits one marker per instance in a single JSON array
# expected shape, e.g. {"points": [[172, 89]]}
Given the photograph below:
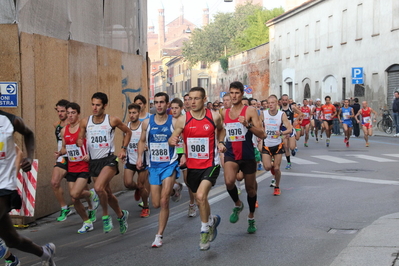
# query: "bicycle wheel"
{"points": [[379, 125], [388, 128]]}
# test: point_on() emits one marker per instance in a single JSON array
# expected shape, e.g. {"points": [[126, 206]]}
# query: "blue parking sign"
{"points": [[357, 75], [9, 94]]}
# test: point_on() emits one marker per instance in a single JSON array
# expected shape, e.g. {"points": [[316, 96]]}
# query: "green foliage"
{"points": [[224, 63], [229, 33]]}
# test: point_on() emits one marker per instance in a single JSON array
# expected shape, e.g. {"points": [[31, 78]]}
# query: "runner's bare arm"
{"points": [[29, 140], [287, 124], [256, 129], [82, 132], [220, 132], [375, 114], [117, 122], [178, 129], [142, 144], [339, 115], [357, 115]]}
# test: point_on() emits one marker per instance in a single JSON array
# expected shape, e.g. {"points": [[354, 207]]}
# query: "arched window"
{"points": [[306, 92]]}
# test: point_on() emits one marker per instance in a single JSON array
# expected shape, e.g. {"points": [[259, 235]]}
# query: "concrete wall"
{"points": [[321, 41], [49, 69]]}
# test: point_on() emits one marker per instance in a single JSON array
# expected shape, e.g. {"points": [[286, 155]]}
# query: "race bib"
{"points": [[327, 116], [198, 148], [306, 116], [74, 153], [3, 144], [272, 131], [134, 140], [160, 152], [346, 115], [235, 131], [98, 139], [366, 120]]}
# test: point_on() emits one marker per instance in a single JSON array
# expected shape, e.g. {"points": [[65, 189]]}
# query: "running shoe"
{"points": [[123, 225], [321, 137], [3, 248], [141, 204], [204, 241], [87, 227], [345, 140], [93, 215], [157, 242], [13, 263], [137, 194], [311, 133], [95, 200], [251, 226], [277, 191], [192, 210], [347, 144], [145, 212], [288, 167], [256, 204], [107, 224], [306, 145], [367, 144], [64, 214], [236, 212], [317, 140], [259, 167], [328, 142], [273, 183], [50, 249], [213, 231], [177, 196]]}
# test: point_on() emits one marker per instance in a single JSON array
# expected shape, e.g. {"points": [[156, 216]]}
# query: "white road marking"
{"points": [[334, 159], [392, 155], [297, 160], [372, 158], [349, 178]]}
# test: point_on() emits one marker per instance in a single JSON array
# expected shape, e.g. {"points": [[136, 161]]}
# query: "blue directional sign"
{"points": [[357, 75], [247, 89], [223, 93], [9, 94]]}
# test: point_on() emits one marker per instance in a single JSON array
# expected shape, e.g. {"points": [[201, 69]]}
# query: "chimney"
{"points": [[181, 18], [205, 17], [161, 26]]}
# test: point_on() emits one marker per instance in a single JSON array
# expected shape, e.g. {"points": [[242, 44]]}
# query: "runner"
{"points": [[162, 165], [316, 119], [187, 105], [347, 115], [307, 113], [328, 112], [61, 165], [312, 123], [367, 124], [201, 129], [241, 122], [273, 119], [99, 130], [289, 140], [142, 186], [142, 102], [9, 197], [78, 175]]}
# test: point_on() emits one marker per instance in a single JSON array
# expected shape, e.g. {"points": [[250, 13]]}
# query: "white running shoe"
{"points": [[87, 227], [157, 242], [3, 249], [177, 188], [192, 210], [95, 201], [50, 249]]}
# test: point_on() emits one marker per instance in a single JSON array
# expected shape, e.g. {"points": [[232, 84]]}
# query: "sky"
{"points": [[193, 9]]}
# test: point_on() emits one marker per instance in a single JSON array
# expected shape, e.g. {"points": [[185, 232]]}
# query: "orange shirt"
{"points": [[328, 110]]}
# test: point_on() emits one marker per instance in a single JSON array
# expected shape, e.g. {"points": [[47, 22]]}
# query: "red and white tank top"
{"points": [[306, 112], [366, 115], [74, 153]]}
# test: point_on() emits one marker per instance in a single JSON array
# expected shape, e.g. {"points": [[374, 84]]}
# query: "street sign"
{"points": [[247, 89], [223, 93], [9, 94], [357, 75]]}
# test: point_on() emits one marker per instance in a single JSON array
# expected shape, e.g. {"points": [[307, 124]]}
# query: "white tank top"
{"points": [[100, 138], [8, 172], [272, 128], [132, 147]]}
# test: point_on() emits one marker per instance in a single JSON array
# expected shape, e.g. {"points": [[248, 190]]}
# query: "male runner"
{"points": [[142, 186], [316, 119], [241, 122], [187, 105], [163, 166], [328, 112], [312, 124], [61, 165], [307, 113], [142, 102], [347, 115], [367, 125], [273, 119], [9, 197], [99, 130], [78, 175], [201, 129]]}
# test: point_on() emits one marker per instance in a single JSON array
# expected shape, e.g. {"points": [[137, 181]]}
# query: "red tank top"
{"points": [[306, 111], [366, 115], [199, 136], [74, 153]]}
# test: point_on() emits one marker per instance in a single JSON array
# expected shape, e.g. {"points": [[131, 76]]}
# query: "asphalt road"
{"points": [[328, 196]]}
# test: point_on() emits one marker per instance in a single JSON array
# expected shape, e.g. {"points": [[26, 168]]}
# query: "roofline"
{"points": [[292, 12]]}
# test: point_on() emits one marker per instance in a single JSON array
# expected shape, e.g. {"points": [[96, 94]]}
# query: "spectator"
{"points": [[395, 110], [356, 108]]}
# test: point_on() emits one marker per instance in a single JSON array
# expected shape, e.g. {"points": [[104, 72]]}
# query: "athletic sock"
{"points": [[204, 227], [46, 255], [64, 207], [288, 158], [251, 203], [234, 193]]}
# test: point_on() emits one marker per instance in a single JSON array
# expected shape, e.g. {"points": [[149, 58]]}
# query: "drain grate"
{"points": [[342, 231]]}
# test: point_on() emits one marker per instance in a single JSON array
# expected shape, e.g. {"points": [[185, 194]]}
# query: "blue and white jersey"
{"points": [[346, 113], [159, 152]]}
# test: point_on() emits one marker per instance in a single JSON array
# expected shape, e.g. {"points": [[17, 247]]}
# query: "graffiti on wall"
{"points": [[129, 94]]}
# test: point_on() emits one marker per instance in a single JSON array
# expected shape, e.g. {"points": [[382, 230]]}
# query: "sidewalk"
{"points": [[377, 244]]}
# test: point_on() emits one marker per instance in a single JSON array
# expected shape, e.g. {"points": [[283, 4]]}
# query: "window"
{"points": [[317, 36], [344, 26], [203, 82], [288, 46], [306, 43], [330, 31], [281, 47], [395, 16], [376, 17], [306, 92], [359, 22], [203, 65], [359, 90], [296, 42]]}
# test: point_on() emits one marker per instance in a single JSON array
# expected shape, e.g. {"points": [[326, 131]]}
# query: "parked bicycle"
{"points": [[386, 123]]}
